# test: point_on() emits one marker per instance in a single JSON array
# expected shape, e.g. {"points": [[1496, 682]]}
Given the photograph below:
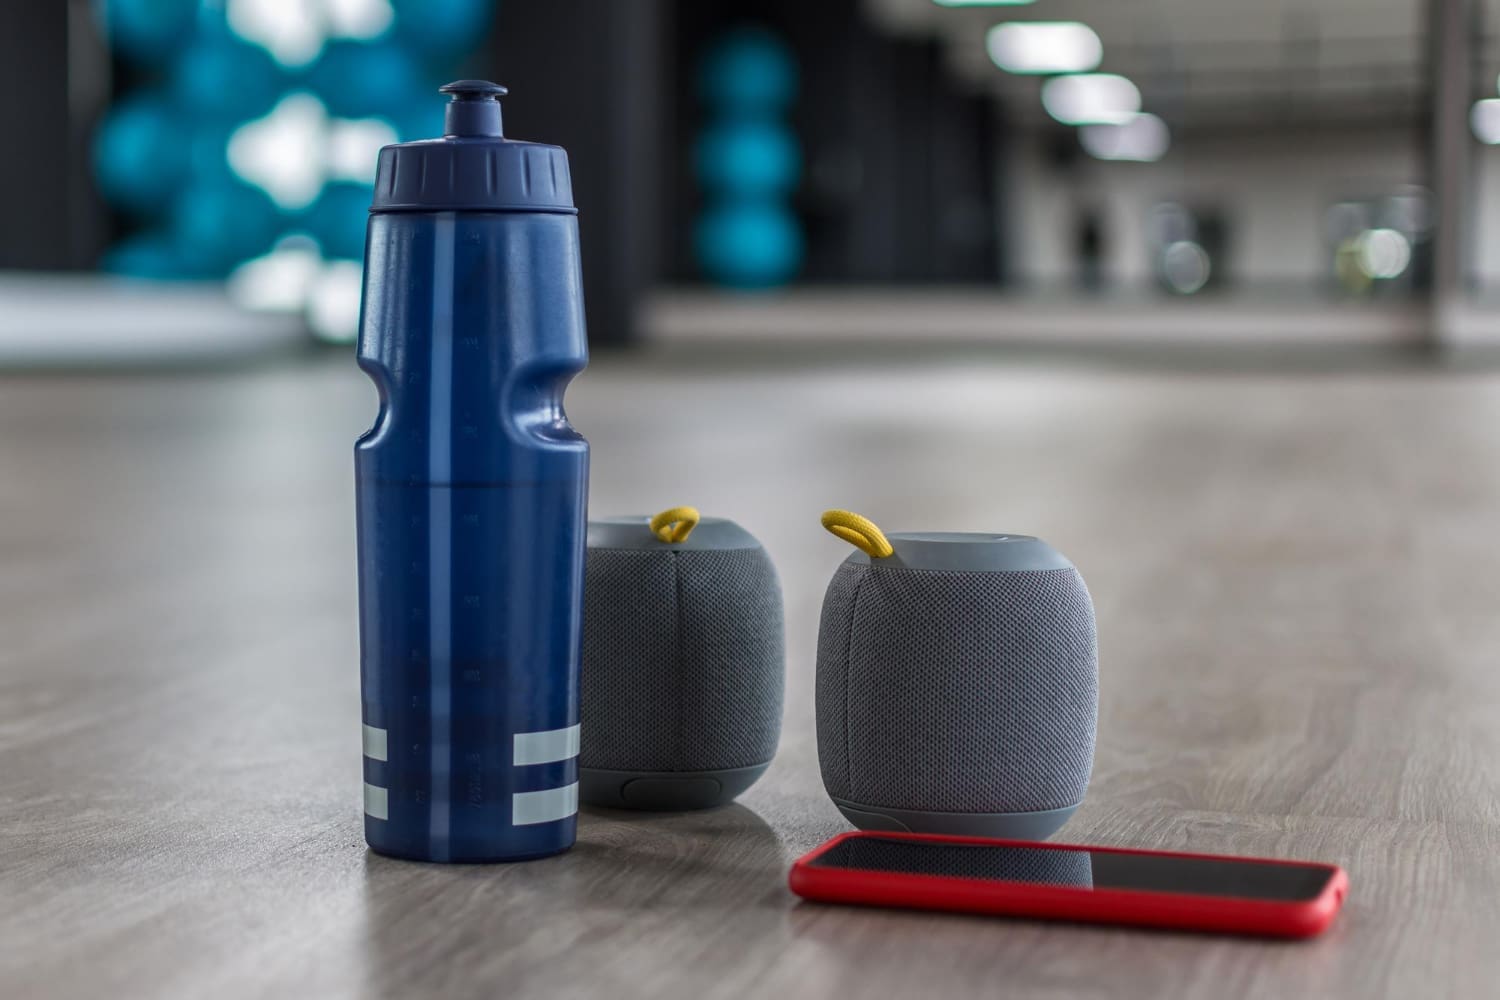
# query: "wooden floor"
{"points": [[1297, 579]]}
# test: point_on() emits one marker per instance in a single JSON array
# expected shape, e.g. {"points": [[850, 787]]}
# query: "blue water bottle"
{"points": [[471, 492]]}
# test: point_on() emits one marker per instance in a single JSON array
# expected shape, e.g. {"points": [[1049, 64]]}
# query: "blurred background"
{"points": [[197, 171]]}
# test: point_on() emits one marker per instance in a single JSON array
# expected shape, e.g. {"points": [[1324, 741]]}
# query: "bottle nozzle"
{"points": [[474, 110]]}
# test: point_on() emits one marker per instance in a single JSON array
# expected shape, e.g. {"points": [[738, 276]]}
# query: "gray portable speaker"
{"points": [[957, 687], [683, 665]]}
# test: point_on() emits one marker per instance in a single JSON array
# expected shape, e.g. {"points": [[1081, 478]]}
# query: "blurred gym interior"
{"points": [[1204, 292]]}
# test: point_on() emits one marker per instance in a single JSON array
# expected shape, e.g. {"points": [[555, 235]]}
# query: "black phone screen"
{"points": [[1086, 869]]}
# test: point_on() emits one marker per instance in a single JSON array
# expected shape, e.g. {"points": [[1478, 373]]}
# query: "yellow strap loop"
{"points": [[858, 531], [675, 523]]}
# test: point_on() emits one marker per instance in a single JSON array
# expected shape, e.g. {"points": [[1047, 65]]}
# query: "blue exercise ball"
{"points": [[749, 244], [442, 27], [146, 255], [219, 223], [208, 150], [748, 158], [221, 77], [337, 219], [366, 79], [748, 70], [139, 157], [147, 31]]}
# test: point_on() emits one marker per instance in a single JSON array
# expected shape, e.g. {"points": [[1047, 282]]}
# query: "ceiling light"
{"points": [[1142, 138], [1484, 119], [1044, 47], [1384, 253], [1090, 99], [1185, 267]]}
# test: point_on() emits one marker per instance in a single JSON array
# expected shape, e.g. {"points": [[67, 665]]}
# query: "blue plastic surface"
{"points": [[471, 491]]}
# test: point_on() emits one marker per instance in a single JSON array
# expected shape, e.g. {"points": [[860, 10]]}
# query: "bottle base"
{"points": [[466, 859]]}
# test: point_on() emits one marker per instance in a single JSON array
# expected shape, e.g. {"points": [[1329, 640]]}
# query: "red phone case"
{"points": [[1182, 911]]}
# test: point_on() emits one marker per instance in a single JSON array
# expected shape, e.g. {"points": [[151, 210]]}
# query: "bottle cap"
{"points": [[473, 167]]}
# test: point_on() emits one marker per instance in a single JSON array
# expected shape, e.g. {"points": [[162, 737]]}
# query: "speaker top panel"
{"points": [[711, 534], [963, 551]]}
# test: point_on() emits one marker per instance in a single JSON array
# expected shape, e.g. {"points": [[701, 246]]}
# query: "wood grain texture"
{"points": [[1296, 583]]}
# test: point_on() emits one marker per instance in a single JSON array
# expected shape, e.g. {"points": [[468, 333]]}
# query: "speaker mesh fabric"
{"points": [[957, 691], [683, 655]]}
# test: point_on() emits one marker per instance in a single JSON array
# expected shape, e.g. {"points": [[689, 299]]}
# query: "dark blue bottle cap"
{"points": [[473, 167]]}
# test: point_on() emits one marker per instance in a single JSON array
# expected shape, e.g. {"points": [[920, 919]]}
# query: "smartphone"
{"points": [[1107, 885]]}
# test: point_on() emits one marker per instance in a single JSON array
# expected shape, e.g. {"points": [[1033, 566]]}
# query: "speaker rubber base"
{"points": [[665, 791], [1005, 826]]}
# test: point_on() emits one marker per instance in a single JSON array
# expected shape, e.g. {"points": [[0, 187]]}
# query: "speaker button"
{"points": [[672, 793]]}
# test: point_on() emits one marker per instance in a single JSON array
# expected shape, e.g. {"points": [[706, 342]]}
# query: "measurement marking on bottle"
{"points": [[546, 746], [375, 743], [377, 802], [545, 806]]}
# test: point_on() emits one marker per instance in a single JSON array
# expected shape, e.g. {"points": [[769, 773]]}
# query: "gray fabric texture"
{"points": [[683, 660], [957, 691]]}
